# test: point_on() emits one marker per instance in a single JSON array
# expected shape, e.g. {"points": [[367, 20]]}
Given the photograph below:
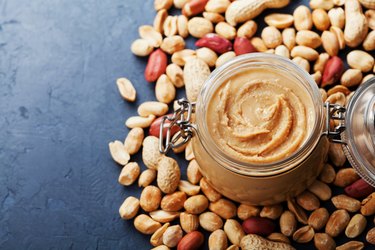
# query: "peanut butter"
{"points": [[260, 116]]}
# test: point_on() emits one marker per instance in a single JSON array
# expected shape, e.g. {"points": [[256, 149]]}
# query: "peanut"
{"points": [[278, 237], [337, 222], [199, 26], [343, 201], [149, 34], [351, 77], [320, 189], [225, 30], [213, 17], [224, 208], [369, 42], [304, 234], [361, 60], [234, 231], [252, 241], [370, 236], [272, 211], [133, 141], [280, 21], [150, 198], [157, 237], [196, 204], [168, 176], [188, 188], [304, 52], [172, 236], [164, 89], [141, 47], [176, 75], [308, 201], [144, 224], [330, 43], [318, 219], [324, 4], [164, 216], [129, 208], [339, 35], [172, 44], [247, 29], [180, 57], [320, 19], [162, 4], [189, 222], [210, 221], [289, 38], [207, 55], [126, 89], [245, 211], [192, 240], [129, 174], [182, 26], [118, 152], [139, 121], [146, 177], [259, 44], [337, 17], [193, 174], [159, 20], [297, 211], [150, 152], [170, 26], [351, 245], [302, 18], [335, 152], [302, 62], [345, 177], [356, 24], [217, 6], [356, 226], [196, 72], [321, 62], [288, 223], [224, 58], [271, 37], [173, 202], [282, 50], [368, 205], [308, 38], [328, 174], [323, 241], [218, 240]]}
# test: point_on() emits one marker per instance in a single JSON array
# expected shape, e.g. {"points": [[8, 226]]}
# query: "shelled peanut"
{"points": [[226, 29]]}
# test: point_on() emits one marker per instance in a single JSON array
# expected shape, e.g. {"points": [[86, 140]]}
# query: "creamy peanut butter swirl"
{"points": [[261, 121]]}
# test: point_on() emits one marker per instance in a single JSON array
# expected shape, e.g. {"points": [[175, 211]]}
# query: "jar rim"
{"points": [[246, 168]]}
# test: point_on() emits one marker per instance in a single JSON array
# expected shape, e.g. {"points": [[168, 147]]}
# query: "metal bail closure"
{"points": [[180, 120], [334, 112]]}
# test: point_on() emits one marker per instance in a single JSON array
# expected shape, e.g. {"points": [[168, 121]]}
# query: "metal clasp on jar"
{"points": [[334, 112], [181, 118]]}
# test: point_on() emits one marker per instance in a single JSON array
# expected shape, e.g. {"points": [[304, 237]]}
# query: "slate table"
{"points": [[59, 108]]}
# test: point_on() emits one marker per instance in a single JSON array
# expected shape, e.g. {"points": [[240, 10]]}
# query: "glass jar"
{"points": [[257, 184]]}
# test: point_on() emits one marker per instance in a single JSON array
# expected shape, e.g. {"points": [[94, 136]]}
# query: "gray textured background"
{"points": [[59, 108]]}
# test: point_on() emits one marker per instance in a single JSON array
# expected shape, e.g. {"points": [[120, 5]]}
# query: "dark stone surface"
{"points": [[59, 108]]}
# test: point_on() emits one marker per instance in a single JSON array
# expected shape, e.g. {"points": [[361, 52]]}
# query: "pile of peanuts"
{"points": [[174, 210]]}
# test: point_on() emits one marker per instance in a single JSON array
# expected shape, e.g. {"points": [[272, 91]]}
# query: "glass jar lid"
{"points": [[360, 131]]}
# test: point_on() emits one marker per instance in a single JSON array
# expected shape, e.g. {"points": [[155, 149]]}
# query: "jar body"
{"points": [[261, 190], [261, 182]]}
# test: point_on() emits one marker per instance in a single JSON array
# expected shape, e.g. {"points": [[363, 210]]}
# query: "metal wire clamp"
{"points": [[181, 118]]}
